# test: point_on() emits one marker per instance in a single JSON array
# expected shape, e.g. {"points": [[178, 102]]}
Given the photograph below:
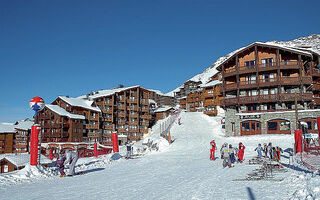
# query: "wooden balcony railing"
{"points": [[267, 66], [306, 80], [133, 115], [145, 116], [289, 65], [247, 84], [231, 86], [133, 123], [289, 81], [316, 86], [133, 108], [210, 112], [146, 123], [268, 82], [122, 114], [144, 101], [94, 118], [108, 127], [92, 126]]}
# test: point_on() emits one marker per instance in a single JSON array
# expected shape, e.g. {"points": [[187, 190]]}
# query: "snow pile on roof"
{"points": [[62, 112], [108, 92], [24, 124], [210, 84], [164, 109], [83, 103], [312, 41], [22, 159], [7, 128]]}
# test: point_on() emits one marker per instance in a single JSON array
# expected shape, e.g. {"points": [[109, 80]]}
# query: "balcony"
{"points": [[316, 86], [108, 127], [289, 65], [133, 130], [210, 112], [122, 107], [230, 72], [268, 67], [108, 103], [316, 72], [208, 103], [122, 114], [92, 126], [208, 95], [231, 86], [136, 123], [145, 109], [268, 98], [145, 123], [290, 81], [247, 69], [133, 115], [133, 100], [306, 80], [133, 108], [248, 84], [291, 97], [122, 98], [145, 116], [248, 99], [122, 122], [109, 111], [316, 100], [107, 119], [268, 82], [93, 135], [121, 130], [230, 101], [94, 118], [145, 131], [144, 101]]}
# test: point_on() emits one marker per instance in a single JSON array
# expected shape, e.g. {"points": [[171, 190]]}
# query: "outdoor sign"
{"points": [[250, 116]]}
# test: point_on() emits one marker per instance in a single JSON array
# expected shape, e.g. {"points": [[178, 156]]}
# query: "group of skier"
{"points": [[228, 153], [268, 151]]}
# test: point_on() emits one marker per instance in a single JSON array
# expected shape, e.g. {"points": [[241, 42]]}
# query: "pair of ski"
{"points": [[76, 174]]}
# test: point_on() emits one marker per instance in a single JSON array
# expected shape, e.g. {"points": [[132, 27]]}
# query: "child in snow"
{"points": [[232, 156], [259, 151], [269, 149], [221, 150], [236, 151], [274, 154], [241, 151], [226, 156], [265, 150], [60, 163], [212, 150]]}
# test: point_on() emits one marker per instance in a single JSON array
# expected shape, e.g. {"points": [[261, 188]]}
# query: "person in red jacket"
{"points": [[241, 151], [212, 150]]}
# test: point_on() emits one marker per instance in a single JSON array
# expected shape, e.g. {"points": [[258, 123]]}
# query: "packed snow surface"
{"points": [[181, 170]]}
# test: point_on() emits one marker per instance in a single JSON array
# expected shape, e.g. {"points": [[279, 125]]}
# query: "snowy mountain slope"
{"points": [[183, 171], [312, 41]]}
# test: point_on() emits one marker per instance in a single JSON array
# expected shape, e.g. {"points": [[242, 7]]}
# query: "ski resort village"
{"points": [[245, 126]]}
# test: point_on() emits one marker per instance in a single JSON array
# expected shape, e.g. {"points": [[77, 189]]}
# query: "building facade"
{"points": [[263, 84]]}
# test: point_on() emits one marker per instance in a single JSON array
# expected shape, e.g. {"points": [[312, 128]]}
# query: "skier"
{"points": [[212, 150], [236, 150], [274, 154], [269, 150], [241, 151], [278, 152], [226, 156], [265, 150], [232, 156], [259, 150], [221, 150], [129, 148], [71, 160], [60, 163]]}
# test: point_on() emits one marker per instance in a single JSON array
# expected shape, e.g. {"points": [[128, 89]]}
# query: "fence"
{"points": [[164, 127], [310, 155]]}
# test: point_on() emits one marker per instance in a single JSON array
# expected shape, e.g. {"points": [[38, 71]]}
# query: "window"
{"points": [[250, 63], [253, 126], [272, 125], [267, 62], [284, 126], [245, 127], [309, 125]]}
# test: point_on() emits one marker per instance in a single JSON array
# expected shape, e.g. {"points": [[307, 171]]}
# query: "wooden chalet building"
{"points": [[163, 112], [212, 97], [260, 84], [125, 110], [22, 136], [7, 134], [59, 125]]}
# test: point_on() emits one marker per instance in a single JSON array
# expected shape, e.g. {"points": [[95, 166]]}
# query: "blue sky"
{"points": [[51, 48]]}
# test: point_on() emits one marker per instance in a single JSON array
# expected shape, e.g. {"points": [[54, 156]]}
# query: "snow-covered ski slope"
{"points": [[183, 171]]}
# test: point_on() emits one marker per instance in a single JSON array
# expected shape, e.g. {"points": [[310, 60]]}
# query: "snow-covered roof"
{"points": [[210, 84], [152, 101], [164, 109], [83, 103], [158, 92], [24, 124], [7, 128], [277, 112], [62, 112], [22, 159], [103, 93]]}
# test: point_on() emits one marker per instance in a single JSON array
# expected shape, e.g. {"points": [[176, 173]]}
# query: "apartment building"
{"points": [[212, 97], [261, 85]]}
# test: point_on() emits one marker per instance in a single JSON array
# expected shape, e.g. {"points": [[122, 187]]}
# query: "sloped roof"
{"points": [[24, 124], [212, 83], [22, 159], [62, 112], [7, 128], [108, 92], [163, 109], [83, 103]]}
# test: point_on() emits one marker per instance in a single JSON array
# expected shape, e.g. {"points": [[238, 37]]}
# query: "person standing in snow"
{"points": [[236, 151], [269, 150], [226, 156], [179, 120], [221, 150], [212, 150], [60, 163], [265, 150], [232, 156], [241, 151], [259, 150], [129, 148], [71, 160]]}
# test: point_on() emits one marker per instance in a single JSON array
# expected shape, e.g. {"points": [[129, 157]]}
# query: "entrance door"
{"points": [[250, 128]]}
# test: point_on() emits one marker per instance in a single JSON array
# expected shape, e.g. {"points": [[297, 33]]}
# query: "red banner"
{"points": [[34, 142], [298, 140], [115, 142]]}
